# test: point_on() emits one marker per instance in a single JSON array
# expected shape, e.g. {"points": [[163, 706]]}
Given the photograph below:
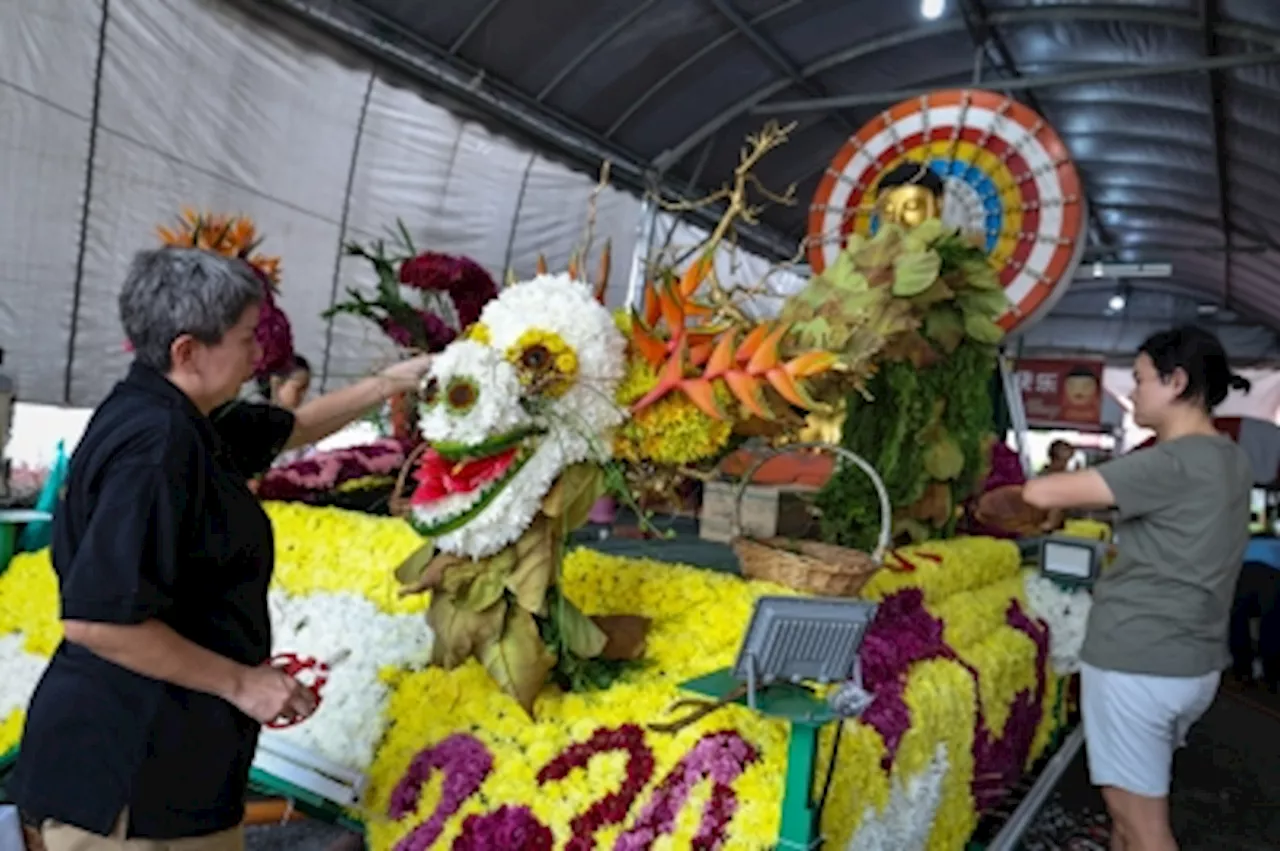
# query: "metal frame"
{"points": [[1216, 93], [1100, 75], [1013, 17], [594, 47], [678, 70], [779, 60], [473, 25]]}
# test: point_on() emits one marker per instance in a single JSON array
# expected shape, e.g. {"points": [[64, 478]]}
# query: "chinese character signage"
{"points": [[1061, 393]]}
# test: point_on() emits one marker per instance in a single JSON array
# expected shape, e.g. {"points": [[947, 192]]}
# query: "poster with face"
{"points": [[1061, 393]]}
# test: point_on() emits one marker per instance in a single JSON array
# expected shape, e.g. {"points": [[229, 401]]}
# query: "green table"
{"points": [[805, 715]]}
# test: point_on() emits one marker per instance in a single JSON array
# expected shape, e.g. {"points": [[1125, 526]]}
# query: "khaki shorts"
{"points": [[64, 837]]}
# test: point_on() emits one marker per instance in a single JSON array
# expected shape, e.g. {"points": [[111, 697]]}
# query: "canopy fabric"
{"points": [[482, 125], [113, 125]]}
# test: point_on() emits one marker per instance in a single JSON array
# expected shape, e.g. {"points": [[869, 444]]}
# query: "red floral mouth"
{"points": [[439, 478]]}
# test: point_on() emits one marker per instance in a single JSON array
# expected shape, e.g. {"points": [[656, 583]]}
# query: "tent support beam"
{"points": [[475, 24], [1099, 75], [622, 24], [779, 60], [1216, 93], [935, 29]]}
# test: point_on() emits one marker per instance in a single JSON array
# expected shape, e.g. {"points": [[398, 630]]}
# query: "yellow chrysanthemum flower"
{"points": [[545, 361], [478, 332], [673, 430]]}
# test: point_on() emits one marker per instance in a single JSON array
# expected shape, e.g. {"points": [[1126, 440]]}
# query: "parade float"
{"points": [[498, 689]]}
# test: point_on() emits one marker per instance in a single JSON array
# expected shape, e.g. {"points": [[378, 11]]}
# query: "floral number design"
{"points": [[718, 757], [612, 808], [465, 762], [508, 828]]}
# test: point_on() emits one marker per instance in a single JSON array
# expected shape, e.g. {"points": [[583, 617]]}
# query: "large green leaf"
{"points": [[978, 272], [412, 568], [914, 273], [458, 632], [944, 326], [878, 253], [989, 303], [580, 634], [927, 233], [943, 458], [517, 660], [580, 486], [982, 329], [937, 292], [535, 552], [843, 275], [477, 585]]}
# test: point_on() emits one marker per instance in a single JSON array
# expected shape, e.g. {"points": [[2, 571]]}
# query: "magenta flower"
{"points": [[508, 828], [322, 472], [465, 763], [718, 757]]}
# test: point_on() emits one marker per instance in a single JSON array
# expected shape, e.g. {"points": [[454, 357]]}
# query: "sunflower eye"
{"points": [[548, 366], [431, 392], [535, 357], [461, 395]]}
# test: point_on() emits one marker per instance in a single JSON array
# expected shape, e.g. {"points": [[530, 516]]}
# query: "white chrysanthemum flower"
{"points": [[907, 819], [543, 382], [20, 672], [470, 395], [352, 715], [1066, 613]]}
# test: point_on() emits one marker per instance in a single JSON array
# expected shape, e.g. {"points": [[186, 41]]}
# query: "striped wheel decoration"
{"points": [[1008, 179]]}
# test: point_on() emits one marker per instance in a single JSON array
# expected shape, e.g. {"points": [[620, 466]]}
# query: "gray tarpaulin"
{"points": [[197, 103]]}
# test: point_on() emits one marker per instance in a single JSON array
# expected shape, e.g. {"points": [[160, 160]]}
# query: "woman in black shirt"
{"points": [[146, 720]]}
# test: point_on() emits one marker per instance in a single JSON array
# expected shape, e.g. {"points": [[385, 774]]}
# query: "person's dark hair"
{"points": [[300, 364], [1199, 354], [1061, 444], [912, 174], [172, 291]]}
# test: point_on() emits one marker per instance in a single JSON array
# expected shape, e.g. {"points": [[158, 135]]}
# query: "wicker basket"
{"points": [[810, 566]]}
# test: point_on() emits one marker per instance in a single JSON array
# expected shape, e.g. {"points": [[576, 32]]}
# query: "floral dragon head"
{"points": [[526, 393]]}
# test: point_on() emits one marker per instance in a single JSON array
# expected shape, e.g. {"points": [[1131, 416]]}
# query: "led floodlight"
{"points": [[791, 639]]}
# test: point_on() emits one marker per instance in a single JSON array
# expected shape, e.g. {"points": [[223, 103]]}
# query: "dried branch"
{"points": [[589, 231]]}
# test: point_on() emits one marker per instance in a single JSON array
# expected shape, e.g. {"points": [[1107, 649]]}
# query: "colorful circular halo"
{"points": [[1009, 181]]}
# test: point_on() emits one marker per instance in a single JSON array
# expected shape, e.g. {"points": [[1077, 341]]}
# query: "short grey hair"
{"points": [[174, 291]]}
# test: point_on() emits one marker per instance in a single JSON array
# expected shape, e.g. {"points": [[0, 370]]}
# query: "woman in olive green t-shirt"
{"points": [[1156, 644]]}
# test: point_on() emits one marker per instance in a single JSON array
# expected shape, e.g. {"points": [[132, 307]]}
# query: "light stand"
{"points": [[791, 641]]}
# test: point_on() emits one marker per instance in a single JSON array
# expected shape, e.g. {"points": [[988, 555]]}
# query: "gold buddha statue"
{"points": [[909, 195]]}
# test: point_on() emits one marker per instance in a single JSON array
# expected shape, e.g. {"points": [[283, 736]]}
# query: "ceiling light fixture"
{"points": [[931, 10], [1117, 302]]}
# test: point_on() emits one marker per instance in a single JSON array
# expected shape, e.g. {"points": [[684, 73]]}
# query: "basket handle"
{"points": [[886, 510], [397, 504]]}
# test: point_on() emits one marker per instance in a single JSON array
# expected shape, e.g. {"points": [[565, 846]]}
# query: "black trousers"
{"points": [[1257, 596]]}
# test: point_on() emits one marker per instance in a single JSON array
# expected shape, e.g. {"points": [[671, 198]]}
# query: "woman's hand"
{"points": [[406, 374], [266, 694]]}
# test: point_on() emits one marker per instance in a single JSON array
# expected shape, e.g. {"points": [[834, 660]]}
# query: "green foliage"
{"points": [[573, 672], [916, 421]]}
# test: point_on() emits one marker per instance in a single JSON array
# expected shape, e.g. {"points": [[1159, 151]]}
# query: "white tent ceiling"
{"points": [[197, 103]]}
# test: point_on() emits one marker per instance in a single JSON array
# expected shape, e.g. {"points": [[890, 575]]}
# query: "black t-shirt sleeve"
{"points": [[125, 566], [253, 434]]}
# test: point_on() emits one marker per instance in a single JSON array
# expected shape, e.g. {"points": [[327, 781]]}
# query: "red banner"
{"points": [[1064, 394]]}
